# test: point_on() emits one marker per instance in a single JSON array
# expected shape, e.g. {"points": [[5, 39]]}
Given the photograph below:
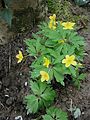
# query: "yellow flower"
{"points": [[61, 41], [53, 18], [46, 62], [70, 60], [19, 57], [52, 23], [44, 76], [68, 25]]}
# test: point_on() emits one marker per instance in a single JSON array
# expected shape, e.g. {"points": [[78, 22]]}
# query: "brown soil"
{"points": [[13, 77]]}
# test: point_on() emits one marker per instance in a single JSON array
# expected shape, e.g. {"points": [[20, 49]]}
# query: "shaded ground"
{"points": [[13, 78]]}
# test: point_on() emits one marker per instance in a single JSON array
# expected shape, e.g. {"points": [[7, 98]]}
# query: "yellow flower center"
{"points": [[70, 60], [44, 76]]}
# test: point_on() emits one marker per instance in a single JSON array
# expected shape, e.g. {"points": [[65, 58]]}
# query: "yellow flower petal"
{"points": [[67, 56], [54, 27], [42, 80], [19, 61], [46, 62], [19, 57], [52, 23], [74, 63], [72, 57], [53, 17], [44, 76], [64, 61], [67, 64]]}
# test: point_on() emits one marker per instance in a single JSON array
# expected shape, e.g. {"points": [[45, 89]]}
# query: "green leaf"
{"points": [[82, 76], [34, 87], [35, 73], [43, 95], [52, 52], [54, 113], [47, 117], [62, 69], [72, 70], [60, 115], [42, 87], [59, 48], [58, 59], [51, 72], [65, 49], [6, 15], [31, 47], [59, 77], [32, 103], [50, 43], [48, 94]]}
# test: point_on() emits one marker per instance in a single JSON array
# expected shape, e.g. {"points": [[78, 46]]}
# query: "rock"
{"points": [[9, 101], [0, 85]]}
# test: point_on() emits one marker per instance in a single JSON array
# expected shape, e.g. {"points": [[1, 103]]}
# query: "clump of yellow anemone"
{"points": [[69, 60]]}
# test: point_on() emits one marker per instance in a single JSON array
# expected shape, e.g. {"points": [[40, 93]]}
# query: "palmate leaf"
{"points": [[78, 79], [76, 40], [6, 15], [35, 73], [43, 90], [65, 49], [31, 46], [52, 52], [47, 117], [55, 114], [35, 88], [48, 94], [32, 103], [59, 77], [42, 96], [82, 76], [50, 43]]}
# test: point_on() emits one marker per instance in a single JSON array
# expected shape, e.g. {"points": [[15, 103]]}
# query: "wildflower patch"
{"points": [[58, 51]]}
